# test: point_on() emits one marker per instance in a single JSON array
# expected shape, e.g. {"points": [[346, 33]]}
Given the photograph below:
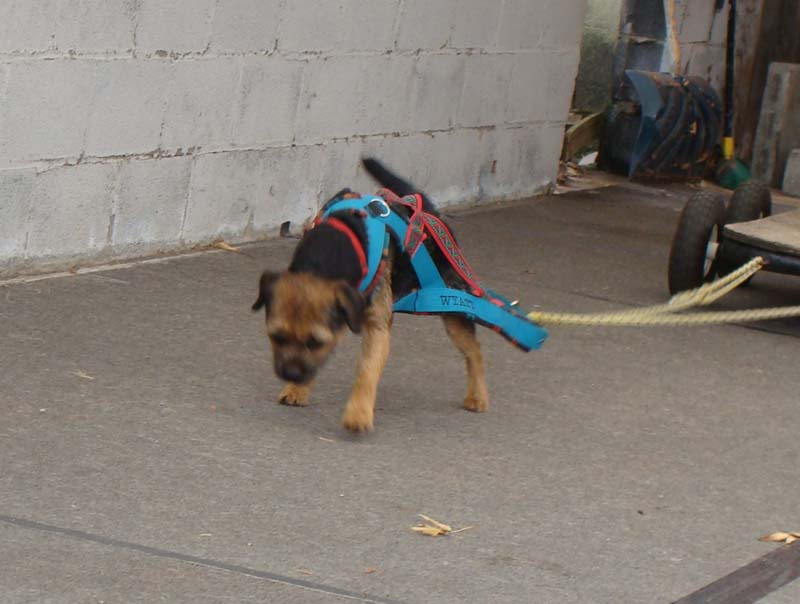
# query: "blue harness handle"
{"points": [[445, 300]]}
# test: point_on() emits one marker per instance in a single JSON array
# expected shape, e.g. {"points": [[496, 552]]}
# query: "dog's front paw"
{"points": [[295, 395], [476, 404], [357, 417]]}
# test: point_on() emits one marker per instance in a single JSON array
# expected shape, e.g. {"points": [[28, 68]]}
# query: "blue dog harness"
{"points": [[382, 221]]}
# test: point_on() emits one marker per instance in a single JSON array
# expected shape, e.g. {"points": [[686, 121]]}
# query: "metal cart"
{"points": [[713, 238]]}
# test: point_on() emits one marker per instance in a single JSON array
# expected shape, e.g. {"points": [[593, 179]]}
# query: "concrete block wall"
{"points": [[131, 127], [702, 31]]}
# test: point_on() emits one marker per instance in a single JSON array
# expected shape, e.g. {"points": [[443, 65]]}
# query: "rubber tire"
{"points": [[687, 257], [750, 201]]}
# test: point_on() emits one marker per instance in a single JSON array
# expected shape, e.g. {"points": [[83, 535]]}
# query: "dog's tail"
{"points": [[394, 183], [387, 178]]}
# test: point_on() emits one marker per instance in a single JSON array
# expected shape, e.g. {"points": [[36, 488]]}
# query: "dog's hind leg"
{"points": [[462, 332], [360, 410]]}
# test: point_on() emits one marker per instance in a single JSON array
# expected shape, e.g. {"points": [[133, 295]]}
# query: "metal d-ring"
{"points": [[379, 203]]}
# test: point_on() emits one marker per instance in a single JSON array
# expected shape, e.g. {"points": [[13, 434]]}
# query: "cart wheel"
{"points": [[750, 201], [693, 254]]}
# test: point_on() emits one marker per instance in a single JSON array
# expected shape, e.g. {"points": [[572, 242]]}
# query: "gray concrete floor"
{"points": [[143, 458]]}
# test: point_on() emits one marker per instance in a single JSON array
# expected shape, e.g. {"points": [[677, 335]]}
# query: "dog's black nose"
{"points": [[293, 373]]}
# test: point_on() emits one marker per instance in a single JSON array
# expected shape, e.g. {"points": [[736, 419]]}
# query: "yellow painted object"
{"points": [[727, 147]]}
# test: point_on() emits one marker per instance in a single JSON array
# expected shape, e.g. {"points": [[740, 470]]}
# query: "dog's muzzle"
{"points": [[295, 372]]}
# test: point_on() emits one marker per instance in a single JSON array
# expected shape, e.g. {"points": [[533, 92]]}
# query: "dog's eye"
{"points": [[313, 343], [279, 339]]}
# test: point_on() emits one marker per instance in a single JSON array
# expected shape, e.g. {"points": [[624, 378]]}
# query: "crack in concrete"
{"points": [[205, 562]]}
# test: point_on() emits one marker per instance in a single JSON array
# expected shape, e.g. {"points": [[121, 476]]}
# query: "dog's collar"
{"points": [[357, 247]]}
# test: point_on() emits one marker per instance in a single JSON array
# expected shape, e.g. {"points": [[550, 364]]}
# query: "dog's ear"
{"points": [[351, 305], [265, 286]]}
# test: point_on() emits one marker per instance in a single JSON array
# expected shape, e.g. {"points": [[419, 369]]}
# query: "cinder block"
{"points": [[696, 22], [562, 28], [128, 107], [225, 188], [95, 25], [791, 178], [201, 102], [46, 108], [71, 210], [486, 84], [445, 165], [178, 26], [440, 79], [15, 197], [540, 176], [454, 164], [562, 70], [529, 88], [520, 162], [245, 25], [322, 25], [27, 26], [355, 95], [151, 201], [409, 156], [341, 167], [442, 164], [291, 189], [475, 23], [242, 194], [425, 24], [268, 103], [439, 118], [522, 23]]}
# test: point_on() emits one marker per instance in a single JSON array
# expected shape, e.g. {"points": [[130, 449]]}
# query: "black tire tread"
{"points": [[702, 212], [750, 201]]}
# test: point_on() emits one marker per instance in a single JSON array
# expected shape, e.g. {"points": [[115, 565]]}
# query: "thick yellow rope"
{"points": [[664, 314]]}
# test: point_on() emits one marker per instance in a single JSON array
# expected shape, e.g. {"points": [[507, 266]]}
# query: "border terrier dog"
{"points": [[312, 304]]}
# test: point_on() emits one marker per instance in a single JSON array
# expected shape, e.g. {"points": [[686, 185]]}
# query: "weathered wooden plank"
{"points": [[752, 582], [581, 135], [766, 32], [779, 233]]}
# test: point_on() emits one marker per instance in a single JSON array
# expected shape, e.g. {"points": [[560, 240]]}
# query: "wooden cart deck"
{"points": [[779, 233]]}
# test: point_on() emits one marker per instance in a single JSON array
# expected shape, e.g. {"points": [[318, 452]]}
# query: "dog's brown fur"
{"points": [[307, 315]]}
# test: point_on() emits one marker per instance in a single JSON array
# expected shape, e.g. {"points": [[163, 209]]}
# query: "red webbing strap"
{"points": [[420, 224], [447, 243], [343, 228]]}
